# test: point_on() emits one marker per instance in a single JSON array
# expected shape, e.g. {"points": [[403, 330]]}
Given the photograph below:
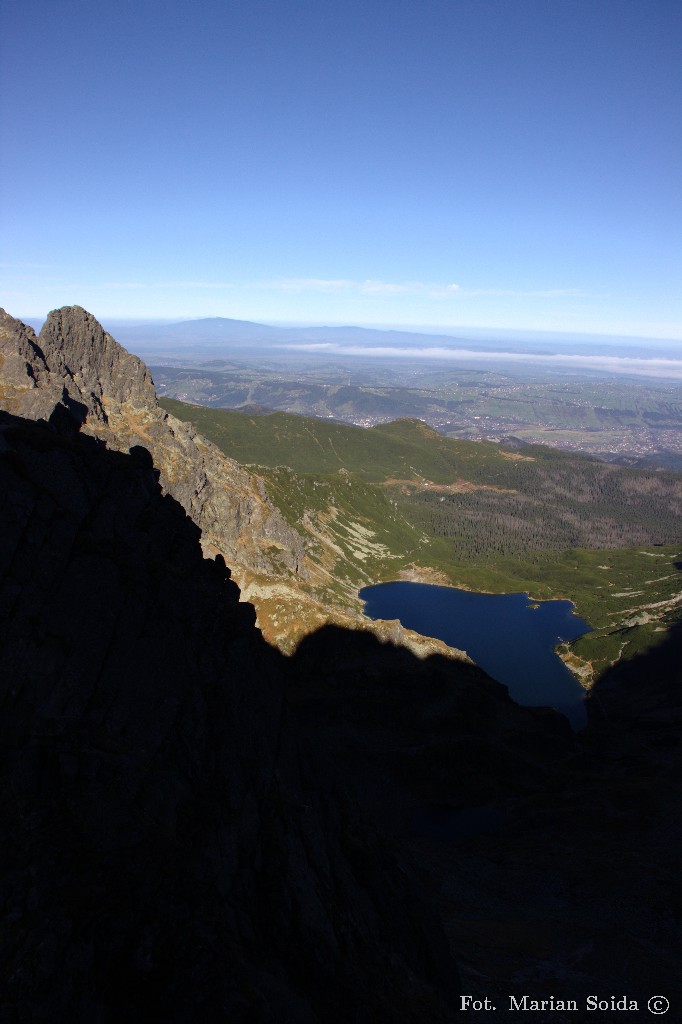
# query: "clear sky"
{"points": [[505, 163]]}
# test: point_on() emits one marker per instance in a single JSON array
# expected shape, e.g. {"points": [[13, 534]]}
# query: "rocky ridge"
{"points": [[76, 367], [75, 370]]}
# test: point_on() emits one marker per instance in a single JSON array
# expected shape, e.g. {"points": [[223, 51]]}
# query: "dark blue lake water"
{"points": [[508, 635]]}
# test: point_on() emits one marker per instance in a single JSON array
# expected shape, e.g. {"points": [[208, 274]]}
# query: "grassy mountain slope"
{"points": [[401, 500], [404, 449], [308, 445], [486, 499]]}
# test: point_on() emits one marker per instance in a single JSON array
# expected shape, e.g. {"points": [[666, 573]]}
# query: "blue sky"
{"points": [[453, 162]]}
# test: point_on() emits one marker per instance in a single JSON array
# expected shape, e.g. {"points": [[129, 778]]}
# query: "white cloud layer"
{"points": [[641, 366]]}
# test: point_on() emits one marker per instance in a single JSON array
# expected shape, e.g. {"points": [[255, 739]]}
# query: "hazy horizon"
{"points": [[641, 357], [474, 332]]}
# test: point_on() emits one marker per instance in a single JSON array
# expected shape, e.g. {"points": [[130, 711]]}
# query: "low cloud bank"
{"points": [[640, 365]]}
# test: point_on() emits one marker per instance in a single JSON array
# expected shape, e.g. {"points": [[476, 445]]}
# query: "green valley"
{"points": [[622, 417], [399, 500]]}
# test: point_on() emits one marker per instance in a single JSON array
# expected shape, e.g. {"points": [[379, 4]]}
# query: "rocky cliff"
{"points": [[75, 366]]}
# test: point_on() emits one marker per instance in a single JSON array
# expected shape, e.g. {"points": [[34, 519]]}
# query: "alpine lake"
{"points": [[510, 636]]}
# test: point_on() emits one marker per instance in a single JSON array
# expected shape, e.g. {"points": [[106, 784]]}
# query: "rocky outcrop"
{"points": [[95, 369], [170, 850], [76, 367], [24, 375]]}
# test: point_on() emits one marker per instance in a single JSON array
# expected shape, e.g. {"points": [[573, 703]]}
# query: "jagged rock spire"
{"points": [[94, 367], [76, 368]]}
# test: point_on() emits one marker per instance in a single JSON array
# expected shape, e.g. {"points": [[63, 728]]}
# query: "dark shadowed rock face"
{"points": [[169, 851], [410, 731], [76, 366], [556, 856]]}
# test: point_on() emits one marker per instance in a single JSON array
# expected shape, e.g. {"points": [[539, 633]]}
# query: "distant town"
{"points": [[619, 417]]}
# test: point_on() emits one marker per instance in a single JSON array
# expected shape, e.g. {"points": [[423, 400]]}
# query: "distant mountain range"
{"points": [[210, 336]]}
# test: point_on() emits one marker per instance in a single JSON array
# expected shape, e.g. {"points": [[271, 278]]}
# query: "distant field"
{"points": [[605, 415]]}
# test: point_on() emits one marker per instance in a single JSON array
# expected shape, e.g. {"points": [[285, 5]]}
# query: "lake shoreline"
{"points": [[434, 577], [513, 637]]}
